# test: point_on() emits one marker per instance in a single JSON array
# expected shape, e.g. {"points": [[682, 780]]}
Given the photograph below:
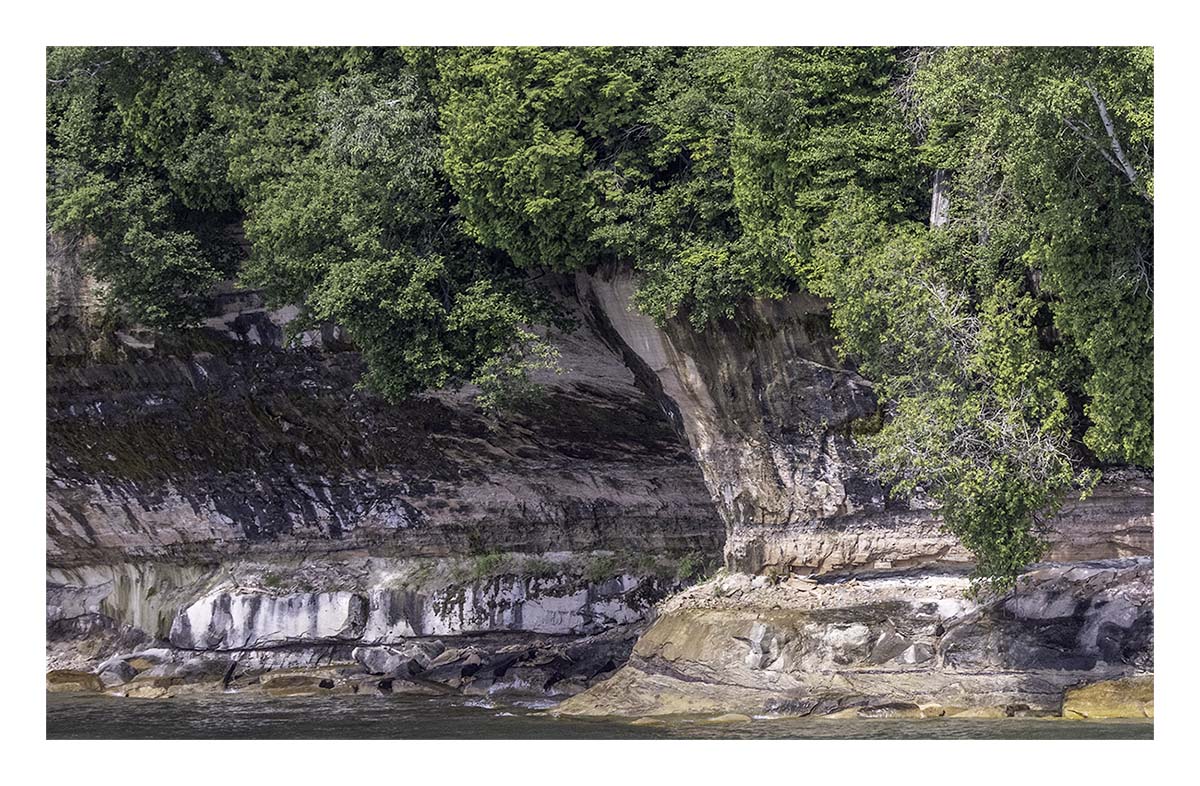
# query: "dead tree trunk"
{"points": [[939, 206]]}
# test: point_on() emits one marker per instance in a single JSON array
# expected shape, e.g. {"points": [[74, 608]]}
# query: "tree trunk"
{"points": [[939, 207]]}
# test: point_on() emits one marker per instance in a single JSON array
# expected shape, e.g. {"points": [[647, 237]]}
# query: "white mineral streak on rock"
{"points": [[140, 595], [555, 605], [234, 620], [361, 598]]}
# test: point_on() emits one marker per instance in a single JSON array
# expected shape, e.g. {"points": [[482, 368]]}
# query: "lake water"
{"points": [[408, 717]]}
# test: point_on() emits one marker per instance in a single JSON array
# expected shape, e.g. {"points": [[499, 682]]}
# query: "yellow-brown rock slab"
{"points": [[71, 681], [1131, 697]]}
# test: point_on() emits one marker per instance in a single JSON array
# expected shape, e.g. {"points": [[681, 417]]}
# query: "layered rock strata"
{"points": [[770, 413], [881, 625], [231, 489], [227, 512], [736, 644]]}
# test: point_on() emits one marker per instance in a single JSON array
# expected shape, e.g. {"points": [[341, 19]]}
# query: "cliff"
{"points": [[228, 508], [770, 413], [219, 491], [837, 595]]}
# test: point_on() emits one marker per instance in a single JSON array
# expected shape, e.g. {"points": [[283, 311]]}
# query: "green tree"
{"points": [[1050, 155], [415, 195], [150, 196], [330, 160], [976, 416], [361, 231], [1021, 325], [707, 169], [542, 144]]}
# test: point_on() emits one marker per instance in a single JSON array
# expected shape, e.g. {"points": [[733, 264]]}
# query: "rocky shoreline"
{"points": [[361, 624], [228, 513], [1072, 641], [898, 646], [514, 666]]}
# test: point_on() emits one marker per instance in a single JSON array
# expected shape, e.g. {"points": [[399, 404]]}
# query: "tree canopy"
{"points": [[414, 195]]}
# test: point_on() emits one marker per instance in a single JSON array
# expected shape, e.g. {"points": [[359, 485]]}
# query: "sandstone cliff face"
{"points": [[222, 490], [202, 451], [221, 506], [882, 624], [769, 411], [914, 644]]}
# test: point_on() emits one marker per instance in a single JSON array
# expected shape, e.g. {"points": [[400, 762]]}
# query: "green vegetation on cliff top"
{"points": [[413, 195]]}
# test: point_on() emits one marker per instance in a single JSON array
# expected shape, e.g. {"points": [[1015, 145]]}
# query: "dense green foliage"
{"points": [[710, 168], [977, 415], [414, 196], [332, 165], [1038, 189], [1025, 321], [154, 208]]}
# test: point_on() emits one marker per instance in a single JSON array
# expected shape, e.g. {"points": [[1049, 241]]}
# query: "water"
{"points": [[409, 717]]}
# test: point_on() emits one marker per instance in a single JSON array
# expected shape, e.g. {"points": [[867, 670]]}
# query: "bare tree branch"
{"points": [[1122, 163]]}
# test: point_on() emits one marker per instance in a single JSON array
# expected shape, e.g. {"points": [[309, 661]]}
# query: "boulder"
{"points": [[151, 656], [889, 645], [378, 660], [1131, 697], [405, 659], [115, 671], [454, 665], [193, 670]]}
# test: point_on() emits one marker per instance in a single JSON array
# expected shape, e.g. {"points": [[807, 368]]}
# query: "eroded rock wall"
{"points": [[232, 487], [872, 617], [220, 442], [802, 648], [770, 412], [200, 453]]}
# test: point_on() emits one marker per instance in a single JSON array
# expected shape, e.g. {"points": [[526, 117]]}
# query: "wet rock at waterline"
{"points": [[71, 681], [484, 664], [818, 650], [115, 671], [402, 660], [1130, 697]]}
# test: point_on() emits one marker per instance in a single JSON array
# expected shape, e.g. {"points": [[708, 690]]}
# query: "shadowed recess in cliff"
{"points": [[772, 414], [195, 446]]}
